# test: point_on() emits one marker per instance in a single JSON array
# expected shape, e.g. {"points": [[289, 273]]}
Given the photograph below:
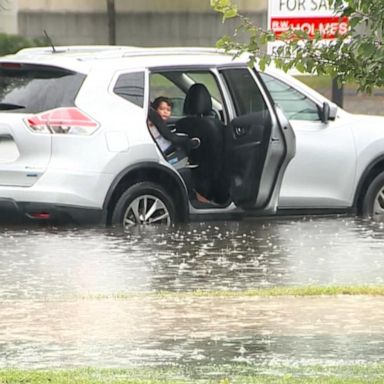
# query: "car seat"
{"points": [[208, 177], [180, 141]]}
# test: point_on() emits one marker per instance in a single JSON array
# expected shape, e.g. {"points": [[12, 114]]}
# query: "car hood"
{"points": [[365, 120]]}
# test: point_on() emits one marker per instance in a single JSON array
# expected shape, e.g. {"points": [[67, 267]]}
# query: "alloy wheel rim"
{"points": [[146, 210], [378, 205]]}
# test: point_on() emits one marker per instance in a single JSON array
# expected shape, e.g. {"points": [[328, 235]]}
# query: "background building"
{"points": [[8, 16], [138, 22]]}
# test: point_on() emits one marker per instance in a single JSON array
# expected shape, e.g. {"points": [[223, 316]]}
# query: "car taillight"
{"points": [[8, 65], [71, 121]]}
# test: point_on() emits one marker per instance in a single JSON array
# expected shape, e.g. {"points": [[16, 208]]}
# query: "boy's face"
{"points": [[164, 110]]}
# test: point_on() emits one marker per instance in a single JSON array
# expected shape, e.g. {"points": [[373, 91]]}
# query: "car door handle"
{"points": [[240, 131], [275, 139]]}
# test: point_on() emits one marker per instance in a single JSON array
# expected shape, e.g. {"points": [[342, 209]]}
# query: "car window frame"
{"points": [[298, 91], [120, 72], [196, 68], [260, 84], [304, 89]]}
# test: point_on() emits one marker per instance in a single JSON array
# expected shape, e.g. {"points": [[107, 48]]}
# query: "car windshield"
{"points": [[36, 88]]}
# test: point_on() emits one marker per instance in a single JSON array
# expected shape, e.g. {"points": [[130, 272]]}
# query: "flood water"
{"points": [[80, 296]]}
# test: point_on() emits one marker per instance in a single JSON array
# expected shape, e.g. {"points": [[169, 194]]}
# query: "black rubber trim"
{"points": [[314, 211], [12, 211], [143, 167], [364, 178]]}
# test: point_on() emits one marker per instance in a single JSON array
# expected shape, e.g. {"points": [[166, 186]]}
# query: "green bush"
{"points": [[13, 43]]}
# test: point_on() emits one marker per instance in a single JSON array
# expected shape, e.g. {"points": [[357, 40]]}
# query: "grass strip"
{"points": [[302, 291], [373, 373]]}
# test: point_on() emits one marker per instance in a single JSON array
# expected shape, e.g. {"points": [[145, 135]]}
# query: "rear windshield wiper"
{"points": [[7, 106]]}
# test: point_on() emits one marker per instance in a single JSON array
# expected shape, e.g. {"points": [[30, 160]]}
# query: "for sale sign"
{"points": [[310, 16]]}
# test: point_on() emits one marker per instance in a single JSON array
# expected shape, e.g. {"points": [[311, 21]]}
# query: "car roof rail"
{"points": [[171, 51], [46, 50], [125, 49], [99, 52]]}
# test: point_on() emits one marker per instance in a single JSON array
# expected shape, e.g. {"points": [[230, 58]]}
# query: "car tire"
{"points": [[144, 203], [373, 201]]}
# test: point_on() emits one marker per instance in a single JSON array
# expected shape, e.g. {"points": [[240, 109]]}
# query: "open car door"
{"points": [[260, 143]]}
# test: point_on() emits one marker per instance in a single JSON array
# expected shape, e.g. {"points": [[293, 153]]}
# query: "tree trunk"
{"points": [[111, 22]]}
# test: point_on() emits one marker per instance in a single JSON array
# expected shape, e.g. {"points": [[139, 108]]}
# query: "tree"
{"points": [[111, 22], [357, 55], [12, 43]]}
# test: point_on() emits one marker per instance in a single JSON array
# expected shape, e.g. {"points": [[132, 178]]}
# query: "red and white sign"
{"points": [[310, 16]]}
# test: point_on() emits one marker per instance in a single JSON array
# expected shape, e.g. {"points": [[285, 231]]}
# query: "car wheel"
{"points": [[373, 202], [144, 203]]}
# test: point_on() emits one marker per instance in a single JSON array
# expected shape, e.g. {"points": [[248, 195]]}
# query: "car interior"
{"points": [[227, 165], [204, 173]]}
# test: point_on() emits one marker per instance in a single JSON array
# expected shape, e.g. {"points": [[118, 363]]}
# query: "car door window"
{"points": [[130, 86], [160, 85], [175, 85], [246, 95], [295, 105], [208, 80]]}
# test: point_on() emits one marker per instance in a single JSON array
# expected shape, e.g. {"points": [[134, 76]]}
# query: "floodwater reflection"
{"points": [[51, 278]]}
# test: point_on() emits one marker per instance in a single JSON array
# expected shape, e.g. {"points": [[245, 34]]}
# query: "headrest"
{"points": [[198, 100]]}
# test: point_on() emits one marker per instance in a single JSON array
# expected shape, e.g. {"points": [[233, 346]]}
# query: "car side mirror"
{"points": [[333, 112], [325, 112]]}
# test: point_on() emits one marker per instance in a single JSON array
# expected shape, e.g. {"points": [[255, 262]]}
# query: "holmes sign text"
{"points": [[309, 16]]}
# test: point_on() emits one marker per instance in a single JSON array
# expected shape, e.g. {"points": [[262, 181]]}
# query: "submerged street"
{"points": [[107, 298], [192, 331]]}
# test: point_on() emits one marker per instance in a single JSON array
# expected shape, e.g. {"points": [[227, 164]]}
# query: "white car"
{"points": [[339, 160], [76, 141]]}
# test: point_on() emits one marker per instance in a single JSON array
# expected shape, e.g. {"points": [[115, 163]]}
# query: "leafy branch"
{"points": [[356, 55]]}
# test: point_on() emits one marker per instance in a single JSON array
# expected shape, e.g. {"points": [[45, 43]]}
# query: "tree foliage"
{"points": [[13, 43], [357, 55]]}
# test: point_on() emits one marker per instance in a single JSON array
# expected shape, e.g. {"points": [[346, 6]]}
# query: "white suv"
{"points": [[75, 142], [339, 160]]}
